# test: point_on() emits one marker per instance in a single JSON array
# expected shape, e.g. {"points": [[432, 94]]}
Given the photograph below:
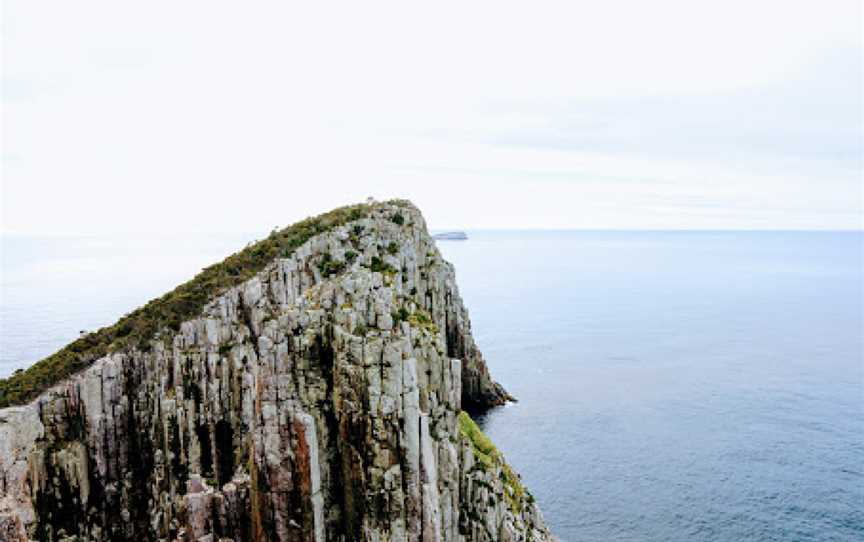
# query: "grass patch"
{"points": [[490, 458], [421, 319], [484, 450], [137, 328]]}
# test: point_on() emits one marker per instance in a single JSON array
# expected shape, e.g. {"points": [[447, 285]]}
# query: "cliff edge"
{"points": [[323, 397]]}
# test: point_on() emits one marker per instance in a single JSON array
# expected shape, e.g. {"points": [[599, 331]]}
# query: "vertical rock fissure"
{"points": [[246, 314], [336, 492], [202, 431], [224, 451], [139, 457]]}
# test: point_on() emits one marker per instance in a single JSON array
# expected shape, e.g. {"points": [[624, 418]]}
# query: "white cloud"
{"points": [[204, 116]]}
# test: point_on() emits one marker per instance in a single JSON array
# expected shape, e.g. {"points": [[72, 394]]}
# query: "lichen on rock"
{"points": [[320, 399]]}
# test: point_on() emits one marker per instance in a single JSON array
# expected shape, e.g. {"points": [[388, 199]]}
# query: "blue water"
{"points": [[673, 386], [677, 386]]}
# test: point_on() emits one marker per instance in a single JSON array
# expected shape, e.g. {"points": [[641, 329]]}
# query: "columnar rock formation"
{"points": [[321, 400]]}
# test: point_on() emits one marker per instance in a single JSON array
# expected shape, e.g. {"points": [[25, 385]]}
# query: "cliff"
{"points": [[323, 397]]}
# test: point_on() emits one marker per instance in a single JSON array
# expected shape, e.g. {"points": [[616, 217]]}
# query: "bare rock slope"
{"points": [[320, 400]]}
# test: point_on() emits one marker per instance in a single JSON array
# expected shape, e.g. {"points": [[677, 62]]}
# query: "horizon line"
{"points": [[55, 234]]}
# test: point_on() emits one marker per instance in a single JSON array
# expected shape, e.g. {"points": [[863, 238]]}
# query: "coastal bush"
{"points": [[139, 327], [354, 235], [380, 266], [400, 316], [328, 266]]}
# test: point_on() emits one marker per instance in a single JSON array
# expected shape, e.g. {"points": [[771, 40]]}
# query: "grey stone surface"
{"points": [[296, 407]]}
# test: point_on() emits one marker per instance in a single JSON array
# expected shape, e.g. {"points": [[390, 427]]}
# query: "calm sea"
{"points": [[673, 386]]}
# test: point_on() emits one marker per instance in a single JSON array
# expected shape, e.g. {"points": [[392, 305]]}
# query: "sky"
{"points": [[224, 116]]}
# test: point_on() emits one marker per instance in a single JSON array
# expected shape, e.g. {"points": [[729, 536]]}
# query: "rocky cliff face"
{"points": [[322, 400]]}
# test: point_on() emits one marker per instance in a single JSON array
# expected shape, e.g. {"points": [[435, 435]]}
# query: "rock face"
{"points": [[322, 400]]}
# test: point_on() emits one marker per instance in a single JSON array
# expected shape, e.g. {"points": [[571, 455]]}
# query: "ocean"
{"points": [[672, 386]]}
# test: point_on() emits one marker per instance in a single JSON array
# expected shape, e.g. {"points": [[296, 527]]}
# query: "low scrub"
{"points": [[139, 327]]}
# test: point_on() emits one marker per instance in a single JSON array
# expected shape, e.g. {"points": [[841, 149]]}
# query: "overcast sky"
{"points": [[242, 116]]}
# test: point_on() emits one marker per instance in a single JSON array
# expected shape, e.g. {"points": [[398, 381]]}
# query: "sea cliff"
{"points": [[324, 397]]}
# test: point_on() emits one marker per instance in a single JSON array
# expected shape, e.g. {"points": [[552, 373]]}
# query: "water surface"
{"points": [[677, 386], [673, 386]]}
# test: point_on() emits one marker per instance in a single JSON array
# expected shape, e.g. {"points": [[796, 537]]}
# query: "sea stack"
{"points": [[314, 387]]}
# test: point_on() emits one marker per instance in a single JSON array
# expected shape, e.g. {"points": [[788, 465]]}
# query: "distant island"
{"points": [[451, 236]]}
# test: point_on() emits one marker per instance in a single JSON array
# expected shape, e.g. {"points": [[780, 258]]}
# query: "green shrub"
{"points": [[354, 235], [380, 266], [350, 256], [392, 248], [400, 316], [398, 219], [328, 266]]}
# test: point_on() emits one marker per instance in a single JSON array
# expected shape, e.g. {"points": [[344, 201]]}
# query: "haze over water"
{"points": [[672, 385]]}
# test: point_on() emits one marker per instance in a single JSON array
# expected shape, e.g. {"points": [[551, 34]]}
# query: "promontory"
{"points": [[316, 386]]}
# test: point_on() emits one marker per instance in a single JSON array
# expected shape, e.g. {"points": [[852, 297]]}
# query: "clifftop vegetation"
{"points": [[137, 328]]}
